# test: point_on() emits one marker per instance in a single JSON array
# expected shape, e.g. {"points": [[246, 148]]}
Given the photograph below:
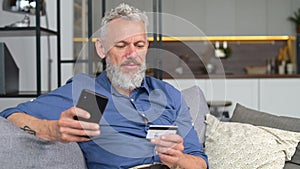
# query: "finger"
{"points": [[81, 113], [166, 150], [79, 132], [167, 159], [166, 145], [75, 111], [68, 134], [78, 125], [171, 138], [167, 141], [72, 138]]}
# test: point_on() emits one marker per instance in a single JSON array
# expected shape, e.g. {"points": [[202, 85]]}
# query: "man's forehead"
{"points": [[129, 39], [122, 30]]}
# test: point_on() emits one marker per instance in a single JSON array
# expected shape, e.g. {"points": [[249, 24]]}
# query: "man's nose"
{"points": [[132, 52]]}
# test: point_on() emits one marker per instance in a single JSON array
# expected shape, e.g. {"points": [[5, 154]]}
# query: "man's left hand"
{"points": [[169, 148]]}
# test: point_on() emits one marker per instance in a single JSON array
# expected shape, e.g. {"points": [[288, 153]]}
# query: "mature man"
{"points": [[135, 102]]}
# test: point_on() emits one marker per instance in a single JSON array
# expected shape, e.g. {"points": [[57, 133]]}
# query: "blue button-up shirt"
{"points": [[125, 121]]}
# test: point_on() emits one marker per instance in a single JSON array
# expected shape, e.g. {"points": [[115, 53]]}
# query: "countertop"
{"points": [[232, 76]]}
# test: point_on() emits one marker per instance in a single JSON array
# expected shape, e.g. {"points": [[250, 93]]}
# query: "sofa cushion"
{"points": [[238, 145], [22, 150], [198, 108], [246, 115], [243, 114]]}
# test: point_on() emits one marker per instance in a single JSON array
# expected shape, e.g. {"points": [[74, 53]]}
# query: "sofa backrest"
{"points": [[197, 104]]}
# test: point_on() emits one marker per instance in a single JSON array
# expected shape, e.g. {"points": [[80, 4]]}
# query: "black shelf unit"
{"points": [[89, 60], [25, 31], [36, 31], [298, 53]]}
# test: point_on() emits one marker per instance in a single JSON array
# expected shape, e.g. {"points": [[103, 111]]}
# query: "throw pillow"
{"points": [[197, 104], [243, 114], [19, 149], [237, 145]]}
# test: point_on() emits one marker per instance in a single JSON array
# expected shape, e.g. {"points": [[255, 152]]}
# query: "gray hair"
{"points": [[123, 11]]}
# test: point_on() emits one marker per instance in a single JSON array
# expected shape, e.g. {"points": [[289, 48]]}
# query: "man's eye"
{"points": [[120, 46], [140, 45]]}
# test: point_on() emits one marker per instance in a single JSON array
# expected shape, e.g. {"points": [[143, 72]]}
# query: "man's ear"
{"points": [[100, 48]]}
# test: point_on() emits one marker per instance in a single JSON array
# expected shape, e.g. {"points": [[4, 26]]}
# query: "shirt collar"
{"points": [[104, 81], [145, 84]]}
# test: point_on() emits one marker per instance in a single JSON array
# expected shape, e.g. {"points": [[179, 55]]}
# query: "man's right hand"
{"points": [[65, 129]]}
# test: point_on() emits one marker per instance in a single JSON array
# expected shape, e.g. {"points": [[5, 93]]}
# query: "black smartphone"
{"points": [[93, 103]]}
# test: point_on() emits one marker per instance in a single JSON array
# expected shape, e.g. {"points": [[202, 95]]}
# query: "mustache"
{"points": [[130, 61]]}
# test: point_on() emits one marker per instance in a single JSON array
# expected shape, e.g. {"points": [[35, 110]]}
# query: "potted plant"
{"points": [[296, 19]]}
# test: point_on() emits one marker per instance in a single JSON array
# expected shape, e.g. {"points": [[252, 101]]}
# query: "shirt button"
{"points": [[132, 100]]}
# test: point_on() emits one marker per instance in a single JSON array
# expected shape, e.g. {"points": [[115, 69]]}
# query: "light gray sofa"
{"points": [[19, 150]]}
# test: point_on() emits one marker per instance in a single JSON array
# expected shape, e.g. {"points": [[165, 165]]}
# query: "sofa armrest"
{"points": [[19, 149]]}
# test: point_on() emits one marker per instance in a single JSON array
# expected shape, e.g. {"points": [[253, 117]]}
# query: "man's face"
{"points": [[126, 45]]}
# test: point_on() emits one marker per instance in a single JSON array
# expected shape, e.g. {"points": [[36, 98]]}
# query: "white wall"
{"points": [[24, 51]]}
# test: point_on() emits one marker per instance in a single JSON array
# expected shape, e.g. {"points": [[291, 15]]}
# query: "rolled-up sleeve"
{"points": [[48, 106]]}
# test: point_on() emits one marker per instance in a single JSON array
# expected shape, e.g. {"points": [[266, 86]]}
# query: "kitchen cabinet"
{"points": [[224, 18], [181, 84], [243, 91], [220, 17], [295, 5], [280, 96], [185, 16], [277, 18], [251, 17], [276, 96]]}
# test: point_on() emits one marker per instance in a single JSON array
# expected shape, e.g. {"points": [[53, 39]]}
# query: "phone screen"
{"points": [[93, 103]]}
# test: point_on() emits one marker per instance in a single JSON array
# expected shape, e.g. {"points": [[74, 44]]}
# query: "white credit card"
{"points": [[155, 131]]}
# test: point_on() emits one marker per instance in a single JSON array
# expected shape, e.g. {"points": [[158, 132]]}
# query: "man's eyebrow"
{"points": [[121, 41], [140, 41], [125, 42]]}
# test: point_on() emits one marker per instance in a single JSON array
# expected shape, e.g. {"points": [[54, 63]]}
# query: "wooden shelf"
{"points": [[213, 38], [233, 76]]}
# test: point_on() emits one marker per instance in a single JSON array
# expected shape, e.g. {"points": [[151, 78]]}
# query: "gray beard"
{"points": [[123, 80]]}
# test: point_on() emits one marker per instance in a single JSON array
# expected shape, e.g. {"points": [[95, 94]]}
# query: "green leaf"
{"points": [[295, 17]]}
